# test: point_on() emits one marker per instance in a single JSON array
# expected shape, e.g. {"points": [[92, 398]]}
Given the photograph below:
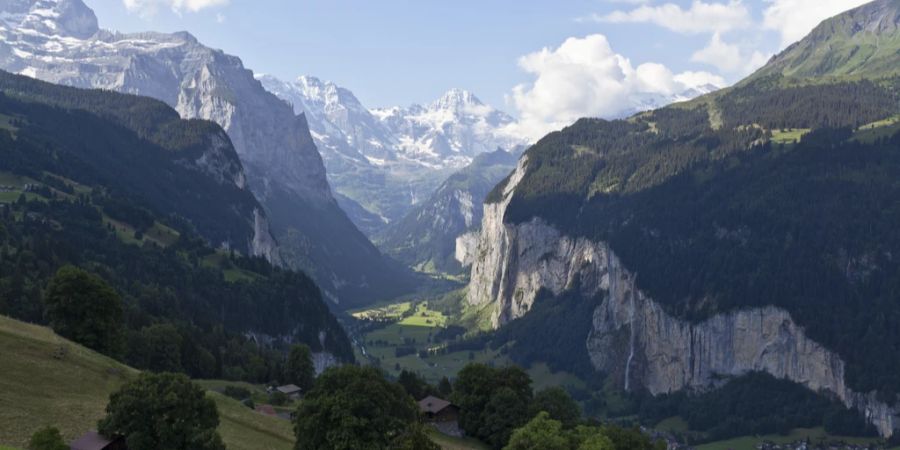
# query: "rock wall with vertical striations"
{"points": [[632, 337]]}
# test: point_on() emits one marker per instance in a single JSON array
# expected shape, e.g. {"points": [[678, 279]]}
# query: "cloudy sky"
{"points": [[547, 62]]}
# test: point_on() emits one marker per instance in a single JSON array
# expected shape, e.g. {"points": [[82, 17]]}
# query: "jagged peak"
{"points": [[456, 98], [53, 17], [327, 91]]}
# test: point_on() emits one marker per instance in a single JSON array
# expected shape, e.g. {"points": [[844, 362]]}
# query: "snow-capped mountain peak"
{"points": [[456, 99], [67, 18], [391, 158]]}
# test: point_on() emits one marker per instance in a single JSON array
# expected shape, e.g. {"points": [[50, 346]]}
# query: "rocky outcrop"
{"points": [[263, 244], [633, 338], [466, 246]]}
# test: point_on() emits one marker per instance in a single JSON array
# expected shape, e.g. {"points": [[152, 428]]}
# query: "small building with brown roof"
{"points": [[291, 390], [441, 414], [438, 410], [95, 441]]}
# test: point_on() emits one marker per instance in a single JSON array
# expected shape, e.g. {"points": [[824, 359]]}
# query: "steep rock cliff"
{"points": [[632, 338]]}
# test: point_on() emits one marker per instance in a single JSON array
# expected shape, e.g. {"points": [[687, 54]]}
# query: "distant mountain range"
{"points": [[60, 41], [410, 177], [388, 160]]}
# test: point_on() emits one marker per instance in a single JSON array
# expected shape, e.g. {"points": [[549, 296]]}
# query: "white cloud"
{"points": [[584, 77], [794, 19], [701, 17], [698, 79], [729, 58], [151, 7]]}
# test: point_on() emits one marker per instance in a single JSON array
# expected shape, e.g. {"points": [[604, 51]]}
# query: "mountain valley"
{"points": [[717, 269]]}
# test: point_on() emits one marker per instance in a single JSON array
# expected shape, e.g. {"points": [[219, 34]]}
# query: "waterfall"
{"points": [[631, 342], [613, 275]]}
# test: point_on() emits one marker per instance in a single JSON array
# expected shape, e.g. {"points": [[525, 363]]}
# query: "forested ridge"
{"points": [[135, 147], [109, 189], [724, 214]]}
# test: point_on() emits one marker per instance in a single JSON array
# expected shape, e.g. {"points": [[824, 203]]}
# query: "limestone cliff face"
{"points": [[219, 161], [511, 263], [633, 339], [466, 246]]}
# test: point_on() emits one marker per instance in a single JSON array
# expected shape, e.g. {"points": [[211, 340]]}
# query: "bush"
{"points": [[47, 438], [237, 392], [278, 398]]}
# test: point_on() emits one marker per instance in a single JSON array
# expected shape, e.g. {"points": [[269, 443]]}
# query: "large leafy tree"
{"points": [[354, 407], [299, 369], [84, 308], [415, 385], [541, 433], [493, 402], [160, 346], [162, 411], [558, 404]]}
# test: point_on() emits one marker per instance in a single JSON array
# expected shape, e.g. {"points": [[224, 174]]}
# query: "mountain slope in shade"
{"points": [[752, 229], [385, 161], [860, 43], [182, 168], [59, 41]]}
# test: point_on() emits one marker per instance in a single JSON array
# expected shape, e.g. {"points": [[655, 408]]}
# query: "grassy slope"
{"points": [[70, 392], [39, 387], [243, 429], [454, 443]]}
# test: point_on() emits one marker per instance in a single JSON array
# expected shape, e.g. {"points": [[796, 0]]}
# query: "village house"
{"points": [[291, 390], [95, 441], [441, 414]]}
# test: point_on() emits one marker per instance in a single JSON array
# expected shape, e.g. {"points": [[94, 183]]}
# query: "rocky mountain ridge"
{"points": [[388, 160]]}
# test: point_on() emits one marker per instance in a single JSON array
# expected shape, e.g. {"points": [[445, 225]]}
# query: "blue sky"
{"points": [[396, 52]]}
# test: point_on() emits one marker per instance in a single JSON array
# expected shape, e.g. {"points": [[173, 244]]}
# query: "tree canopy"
{"points": [[353, 407], [162, 411], [299, 369], [84, 308]]}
